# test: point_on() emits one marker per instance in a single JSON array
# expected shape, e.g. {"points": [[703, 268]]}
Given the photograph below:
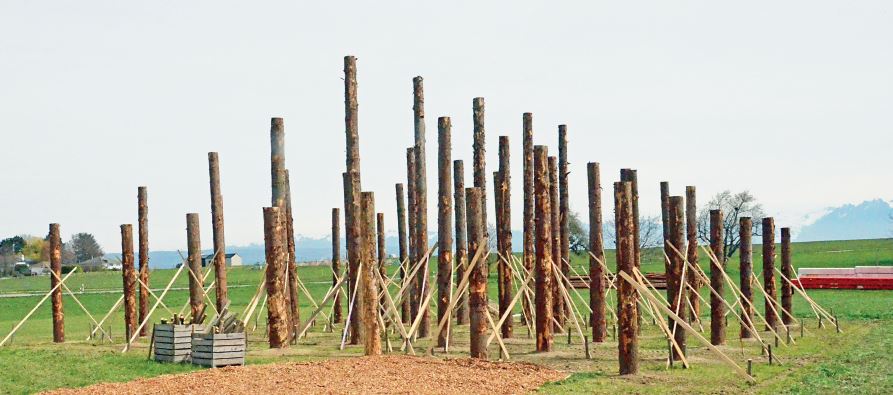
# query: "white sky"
{"points": [[791, 100]]}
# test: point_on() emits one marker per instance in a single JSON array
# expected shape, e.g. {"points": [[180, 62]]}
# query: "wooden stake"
{"points": [[277, 306], [627, 312], [787, 269], [745, 257], [294, 282], [337, 272], [421, 186], [352, 199], [559, 310], [129, 277], [676, 275], [597, 248], [769, 271], [221, 293], [544, 292], [529, 255], [477, 289], [504, 232], [691, 233], [368, 284], [404, 252], [39, 303]]}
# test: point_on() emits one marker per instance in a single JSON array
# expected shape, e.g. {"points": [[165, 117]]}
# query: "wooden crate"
{"points": [[173, 343], [222, 349]]}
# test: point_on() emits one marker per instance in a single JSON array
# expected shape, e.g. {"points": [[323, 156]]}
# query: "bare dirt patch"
{"points": [[369, 375]]}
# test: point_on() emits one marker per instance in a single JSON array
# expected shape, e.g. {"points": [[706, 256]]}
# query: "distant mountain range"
{"points": [[870, 219]]}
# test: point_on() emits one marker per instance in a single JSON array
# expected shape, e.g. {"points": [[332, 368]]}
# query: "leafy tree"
{"points": [[733, 206], [12, 245], [34, 249], [84, 246]]}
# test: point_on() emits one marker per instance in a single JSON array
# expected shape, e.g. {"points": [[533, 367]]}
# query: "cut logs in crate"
{"points": [[173, 342], [223, 344]]}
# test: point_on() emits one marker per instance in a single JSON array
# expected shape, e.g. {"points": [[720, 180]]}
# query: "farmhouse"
{"points": [[232, 259]]}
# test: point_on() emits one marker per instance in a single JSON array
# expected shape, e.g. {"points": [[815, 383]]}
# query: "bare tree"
{"points": [[650, 232], [733, 206], [578, 234]]}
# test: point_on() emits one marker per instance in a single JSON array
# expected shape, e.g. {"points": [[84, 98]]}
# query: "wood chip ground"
{"points": [[368, 375]]}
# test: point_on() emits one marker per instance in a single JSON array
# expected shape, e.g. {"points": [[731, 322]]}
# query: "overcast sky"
{"points": [[790, 100]]}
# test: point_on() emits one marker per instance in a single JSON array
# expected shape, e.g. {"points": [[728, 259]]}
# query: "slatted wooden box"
{"points": [[173, 343], [221, 349]]}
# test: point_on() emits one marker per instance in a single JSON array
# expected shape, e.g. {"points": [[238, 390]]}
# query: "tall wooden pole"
{"points": [[56, 267], [497, 214], [369, 282], [787, 292], [676, 292], [337, 315], [529, 256], [444, 223], [143, 223], [665, 220], [294, 312], [745, 258], [564, 204], [691, 233], [194, 260], [218, 233], [717, 279], [558, 307], [461, 237], [415, 296], [352, 209], [627, 315], [544, 239], [277, 303], [129, 277], [632, 175], [404, 252], [597, 247], [279, 196], [480, 160], [351, 219], [477, 288], [769, 272], [504, 229], [381, 258], [421, 198]]}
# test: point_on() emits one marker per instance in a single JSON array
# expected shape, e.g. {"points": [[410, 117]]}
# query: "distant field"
{"points": [[34, 363]]}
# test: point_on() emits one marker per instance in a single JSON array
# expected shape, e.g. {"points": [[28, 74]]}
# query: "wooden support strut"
{"points": [[45, 297]]}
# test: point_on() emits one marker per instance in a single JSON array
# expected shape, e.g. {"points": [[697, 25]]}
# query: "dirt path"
{"points": [[368, 375]]}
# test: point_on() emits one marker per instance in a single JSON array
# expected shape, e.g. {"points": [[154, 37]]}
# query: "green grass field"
{"points": [[823, 361]]}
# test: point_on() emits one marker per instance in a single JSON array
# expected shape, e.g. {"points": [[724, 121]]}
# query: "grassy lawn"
{"points": [[822, 361]]}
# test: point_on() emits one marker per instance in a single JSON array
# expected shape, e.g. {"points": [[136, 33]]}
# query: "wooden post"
{"points": [[676, 289], [480, 161], [558, 307], [504, 230], [544, 276], [336, 264], [404, 257], [279, 189], [529, 256], [461, 239], [349, 219], [444, 223], [352, 206], [421, 197], [597, 248], [477, 288], [632, 175], [194, 263], [221, 293], [368, 277], [129, 276], [787, 269], [143, 223], [717, 309], [381, 256], [294, 313], [745, 259], [691, 232], [56, 267], [769, 271], [277, 306], [415, 295], [564, 205], [627, 314]]}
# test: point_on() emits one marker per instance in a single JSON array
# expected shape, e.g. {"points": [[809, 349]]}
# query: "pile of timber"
{"points": [[173, 342], [223, 344], [659, 280]]}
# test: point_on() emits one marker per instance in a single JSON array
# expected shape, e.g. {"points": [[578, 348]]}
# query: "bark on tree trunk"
{"points": [[404, 261], [477, 288], [56, 267], [745, 259], [381, 258], [675, 280], [597, 248], [421, 197], [336, 264], [544, 239], [369, 282], [444, 223], [787, 269], [352, 207], [143, 222], [294, 313], [691, 232], [218, 232], [627, 321], [277, 306], [558, 307], [504, 228], [717, 280], [415, 285], [529, 256], [194, 260], [351, 230], [769, 271], [480, 160], [564, 205], [129, 276], [461, 239]]}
